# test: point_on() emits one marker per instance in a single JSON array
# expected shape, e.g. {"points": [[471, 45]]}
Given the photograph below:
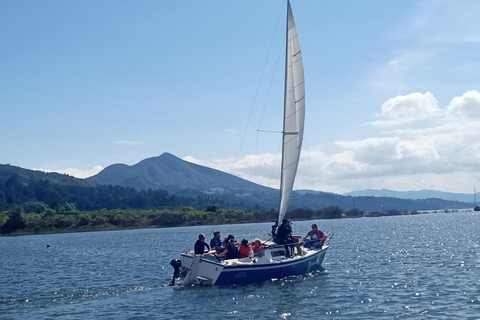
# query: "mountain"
{"points": [[11, 175], [318, 200], [191, 180], [413, 195], [169, 182], [32, 190], [170, 173]]}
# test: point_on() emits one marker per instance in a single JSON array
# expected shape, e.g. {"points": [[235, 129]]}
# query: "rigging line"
{"points": [[259, 83], [256, 152], [271, 82], [275, 163]]}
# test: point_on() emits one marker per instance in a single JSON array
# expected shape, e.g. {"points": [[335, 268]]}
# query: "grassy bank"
{"points": [[17, 222]]}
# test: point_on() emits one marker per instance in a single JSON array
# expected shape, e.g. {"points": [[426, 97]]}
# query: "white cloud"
{"points": [[410, 107], [406, 109], [390, 150], [260, 168], [440, 150], [443, 154], [75, 172], [466, 106]]}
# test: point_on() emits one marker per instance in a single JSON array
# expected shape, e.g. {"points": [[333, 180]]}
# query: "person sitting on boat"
{"points": [[316, 237], [284, 236], [244, 249], [200, 245], [273, 233], [257, 246], [231, 250], [216, 243]]}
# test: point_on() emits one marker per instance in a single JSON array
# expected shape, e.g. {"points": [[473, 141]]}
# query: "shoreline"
{"points": [[111, 227]]}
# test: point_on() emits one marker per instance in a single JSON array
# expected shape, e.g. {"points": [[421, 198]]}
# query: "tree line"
{"points": [[16, 191], [38, 217], [19, 186]]}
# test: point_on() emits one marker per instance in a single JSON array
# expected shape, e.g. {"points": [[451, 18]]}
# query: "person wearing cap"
{"points": [[216, 243], [316, 237], [200, 245]]}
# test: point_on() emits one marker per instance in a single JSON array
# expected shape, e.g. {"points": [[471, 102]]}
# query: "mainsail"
{"points": [[294, 114]]}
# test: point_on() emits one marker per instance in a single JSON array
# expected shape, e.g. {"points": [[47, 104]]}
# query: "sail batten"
{"points": [[294, 113]]}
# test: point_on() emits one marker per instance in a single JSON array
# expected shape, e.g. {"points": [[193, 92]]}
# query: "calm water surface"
{"points": [[409, 267]]}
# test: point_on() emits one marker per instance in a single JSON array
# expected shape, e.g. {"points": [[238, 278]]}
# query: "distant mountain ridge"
{"points": [[167, 181], [414, 195], [188, 179], [171, 173], [12, 174]]}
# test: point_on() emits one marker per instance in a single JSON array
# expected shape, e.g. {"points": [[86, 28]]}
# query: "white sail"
{"points": [[294, 116]]}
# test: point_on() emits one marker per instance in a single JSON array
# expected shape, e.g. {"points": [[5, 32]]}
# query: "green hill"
{"points": [[173, 174]]}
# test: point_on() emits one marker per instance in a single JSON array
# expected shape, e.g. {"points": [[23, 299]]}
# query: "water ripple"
{"points": [[423, 266]]}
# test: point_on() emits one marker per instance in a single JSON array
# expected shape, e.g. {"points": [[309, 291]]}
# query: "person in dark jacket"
{"points": [[200, 245], [284, 236], [231, 249], [216, 243]]}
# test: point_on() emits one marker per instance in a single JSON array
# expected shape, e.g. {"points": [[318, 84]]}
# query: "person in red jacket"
{"points": [[244, 249], [257, 246]]}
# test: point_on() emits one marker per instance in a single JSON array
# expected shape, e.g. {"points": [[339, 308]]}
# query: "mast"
{"points": [[284, 114]]}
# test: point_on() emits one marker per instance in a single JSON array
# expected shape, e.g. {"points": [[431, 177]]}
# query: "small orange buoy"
{"points": [[48, 245]]}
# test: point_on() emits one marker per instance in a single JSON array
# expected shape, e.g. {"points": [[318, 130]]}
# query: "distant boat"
{"points": [[476, 207], [273, 262]]}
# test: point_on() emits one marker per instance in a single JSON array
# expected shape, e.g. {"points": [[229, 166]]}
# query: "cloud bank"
{"points": [[442, 153], [75, 172]]}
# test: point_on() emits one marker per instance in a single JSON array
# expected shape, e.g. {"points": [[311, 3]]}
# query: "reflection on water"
{"points": [[423, 266]]}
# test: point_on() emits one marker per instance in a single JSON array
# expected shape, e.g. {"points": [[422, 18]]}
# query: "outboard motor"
{"points": [[176, 264]]}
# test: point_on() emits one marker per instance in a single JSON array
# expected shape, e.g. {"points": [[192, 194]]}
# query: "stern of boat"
{"points": [[195, 269]]}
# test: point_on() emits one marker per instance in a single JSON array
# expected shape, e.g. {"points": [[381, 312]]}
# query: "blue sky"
{"points": [[392, 88]]}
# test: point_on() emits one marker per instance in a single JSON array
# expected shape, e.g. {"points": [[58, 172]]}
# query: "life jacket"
{"points": [[244, 251], [257, 250], [317, 233]]}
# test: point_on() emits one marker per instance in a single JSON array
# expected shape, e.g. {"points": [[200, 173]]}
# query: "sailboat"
{"points": [[273, 262], [476, 207]]}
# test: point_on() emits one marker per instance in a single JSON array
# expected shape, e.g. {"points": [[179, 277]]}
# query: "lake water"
{"points": [[409, 267]]}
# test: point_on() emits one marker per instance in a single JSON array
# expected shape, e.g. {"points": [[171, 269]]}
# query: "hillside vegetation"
{"points": [[35, 202], [36, 218]]}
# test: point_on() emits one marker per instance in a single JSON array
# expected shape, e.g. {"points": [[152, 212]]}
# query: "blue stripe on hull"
{"points": [[258, 273]]}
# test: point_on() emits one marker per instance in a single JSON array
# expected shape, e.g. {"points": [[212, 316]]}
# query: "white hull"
{"points": [[270, 263]]}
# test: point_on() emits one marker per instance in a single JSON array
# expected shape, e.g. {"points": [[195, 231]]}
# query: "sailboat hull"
{"points": [[259, 273], [270, 264]]}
